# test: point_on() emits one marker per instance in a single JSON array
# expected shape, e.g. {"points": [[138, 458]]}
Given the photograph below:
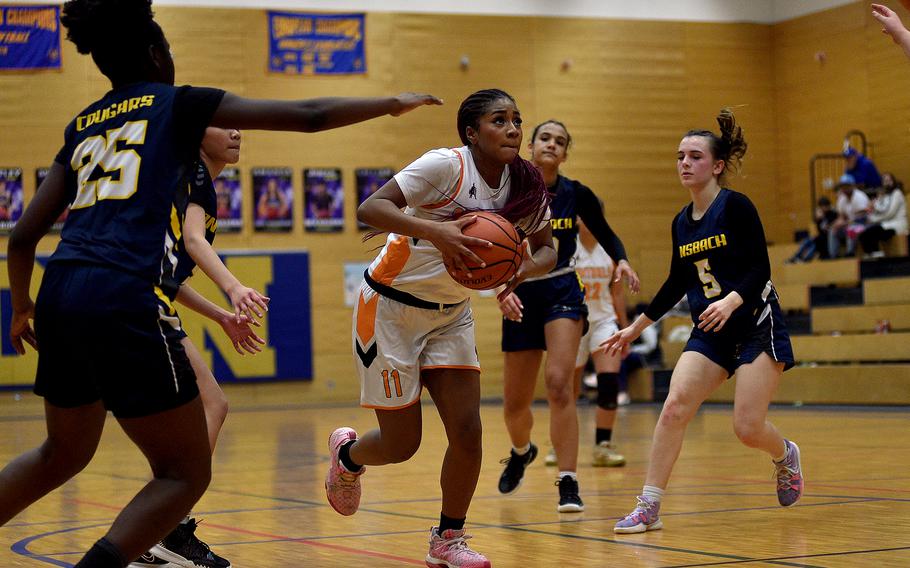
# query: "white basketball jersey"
{"points": [[438, 185], [595, 267]]}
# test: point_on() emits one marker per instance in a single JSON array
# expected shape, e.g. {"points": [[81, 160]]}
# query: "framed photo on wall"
{"points": [[10, 198], [368, 180], [40, 174], [229, 200], [323, 200], [273, 199]]}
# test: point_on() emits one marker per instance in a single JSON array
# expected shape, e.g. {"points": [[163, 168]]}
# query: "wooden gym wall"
{"points": [[632, 89]]}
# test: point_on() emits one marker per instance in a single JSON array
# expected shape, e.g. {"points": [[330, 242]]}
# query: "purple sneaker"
{"points": [[643, 518], [789, 475], [342, 488]]}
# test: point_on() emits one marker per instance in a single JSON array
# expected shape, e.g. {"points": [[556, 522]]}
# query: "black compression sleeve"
{"points": [[590, 212]]}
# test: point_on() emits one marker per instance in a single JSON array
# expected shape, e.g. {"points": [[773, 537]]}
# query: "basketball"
{"points": [[906, 4], [502, 259]]}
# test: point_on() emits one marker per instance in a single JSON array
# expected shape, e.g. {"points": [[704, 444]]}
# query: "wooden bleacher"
{"points": [[843, 361]]}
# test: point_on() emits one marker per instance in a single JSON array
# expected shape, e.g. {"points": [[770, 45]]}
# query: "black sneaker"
{"points": [[183, 548], [569, 501], [511, 477]]}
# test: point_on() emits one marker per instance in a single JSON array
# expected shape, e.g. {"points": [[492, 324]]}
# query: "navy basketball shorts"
{"points": [[102, 337], [544, 301], [730, 351]]}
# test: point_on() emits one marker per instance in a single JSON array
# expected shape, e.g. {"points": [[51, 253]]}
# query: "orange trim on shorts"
{"points": [[466, 367], [366, 319], [377, 407], [452, 197], [396, 256]]}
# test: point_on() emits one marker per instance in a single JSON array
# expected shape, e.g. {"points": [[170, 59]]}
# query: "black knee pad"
{"points": [[607, 390]]}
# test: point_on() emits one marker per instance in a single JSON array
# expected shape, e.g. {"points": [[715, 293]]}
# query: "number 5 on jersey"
{"points": [[711, 285], [120, 169], [390, 378]]}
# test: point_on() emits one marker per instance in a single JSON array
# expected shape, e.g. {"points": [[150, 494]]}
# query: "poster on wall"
{"points": [[353, 276], [316, 44], [229, 198], [10, 198], [323, 200], [29, 37], [40, 174], [273, 199], [368, 181]]}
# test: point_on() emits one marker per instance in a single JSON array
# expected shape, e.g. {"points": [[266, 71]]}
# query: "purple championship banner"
{"points": [[323, 200]]}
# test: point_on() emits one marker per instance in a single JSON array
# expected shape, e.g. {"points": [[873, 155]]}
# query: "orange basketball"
{"points": [[502, 259]]}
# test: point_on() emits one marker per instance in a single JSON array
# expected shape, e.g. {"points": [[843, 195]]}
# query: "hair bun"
{"points": [[91, 23]]}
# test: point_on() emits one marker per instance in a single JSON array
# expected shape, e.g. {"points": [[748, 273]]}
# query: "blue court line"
{"points": [[21, 547]]}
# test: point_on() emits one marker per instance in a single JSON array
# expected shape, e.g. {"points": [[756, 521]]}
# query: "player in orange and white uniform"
{"points": [[413, 325], [606, 305]]}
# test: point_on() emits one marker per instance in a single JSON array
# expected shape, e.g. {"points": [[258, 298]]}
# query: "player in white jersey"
{"points": [[413, 325], [606, 304]]}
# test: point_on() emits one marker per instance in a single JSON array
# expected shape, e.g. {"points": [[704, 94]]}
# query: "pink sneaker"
{"points": [[450, 550], [342, 488]]}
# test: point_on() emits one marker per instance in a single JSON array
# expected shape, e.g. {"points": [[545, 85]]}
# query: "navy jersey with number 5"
{"points": [[722, 252], [124, 157]]}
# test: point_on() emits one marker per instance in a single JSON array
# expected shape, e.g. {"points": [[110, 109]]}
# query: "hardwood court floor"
{"points": [[266, 506]]}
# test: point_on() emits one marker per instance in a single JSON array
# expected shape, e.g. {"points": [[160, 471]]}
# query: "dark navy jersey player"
{"points": [[722, 252], [96, 318], [720, 261], [549, 313]]}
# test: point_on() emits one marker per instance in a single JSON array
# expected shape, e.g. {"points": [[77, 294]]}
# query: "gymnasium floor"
{"points": [[266, 506]]}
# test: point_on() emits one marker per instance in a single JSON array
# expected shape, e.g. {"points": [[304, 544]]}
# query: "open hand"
{"points": [[241, 334], [247, 301], [409, 101]]}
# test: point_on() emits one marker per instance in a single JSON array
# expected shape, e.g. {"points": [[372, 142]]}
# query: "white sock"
{"points": [[571, 474], [522, 451], [653, 493]]}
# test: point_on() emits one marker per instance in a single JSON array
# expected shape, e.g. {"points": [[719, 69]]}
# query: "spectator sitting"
{"points": [[888, 217], [824, 216], [863, 170], [644, 353], [852, 208]]}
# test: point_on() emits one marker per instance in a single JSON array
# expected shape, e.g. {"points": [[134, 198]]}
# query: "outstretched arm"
{"points": [[246, 301], [311, 115], [892, 26]]}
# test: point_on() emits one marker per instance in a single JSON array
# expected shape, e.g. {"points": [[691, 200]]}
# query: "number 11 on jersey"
{"points": [[390, 378]]}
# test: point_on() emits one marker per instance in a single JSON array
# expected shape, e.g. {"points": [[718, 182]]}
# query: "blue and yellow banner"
{"points": [[316, 44], [287, 328], [29, 37]]}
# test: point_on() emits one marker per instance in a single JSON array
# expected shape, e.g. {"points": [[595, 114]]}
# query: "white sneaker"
{"points": [[605, 455], [623, 399], [550, 460]]}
